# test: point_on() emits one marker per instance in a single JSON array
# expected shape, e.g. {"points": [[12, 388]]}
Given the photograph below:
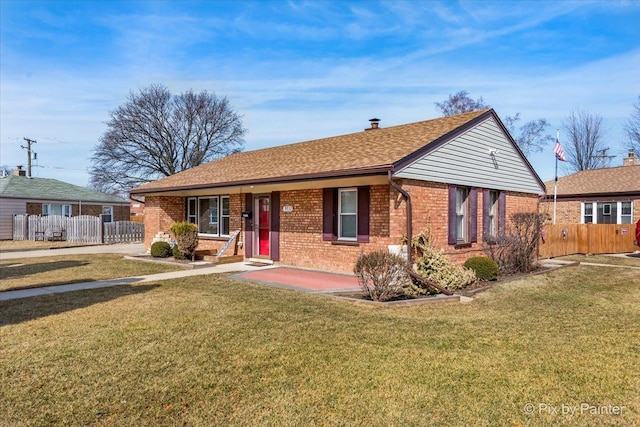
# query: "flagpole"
{"points": [[555, 187]]}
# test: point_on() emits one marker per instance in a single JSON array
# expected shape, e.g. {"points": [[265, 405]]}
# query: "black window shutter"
{"points": [[486, 210], [473, 215], [363, 214], [452, 215], [502, 211], [329, 206], [275, 226]]}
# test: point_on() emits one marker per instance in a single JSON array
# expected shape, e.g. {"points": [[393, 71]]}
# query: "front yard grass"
{"points": [[31, 245], [62, 269], [604, 259], [212, 351]]}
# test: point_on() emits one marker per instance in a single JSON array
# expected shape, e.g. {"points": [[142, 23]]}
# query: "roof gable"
{"points": [[617, 180], [22, 187], [481, 155], [362, 152]]}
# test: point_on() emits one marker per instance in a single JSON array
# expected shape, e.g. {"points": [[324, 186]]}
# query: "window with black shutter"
{"points": [[345, 214]]}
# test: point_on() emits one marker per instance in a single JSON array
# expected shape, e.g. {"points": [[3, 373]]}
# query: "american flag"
{"points": [[557, 149]]}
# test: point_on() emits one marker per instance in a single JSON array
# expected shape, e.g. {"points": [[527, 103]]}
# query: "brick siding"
{"points": [[300, 234]]}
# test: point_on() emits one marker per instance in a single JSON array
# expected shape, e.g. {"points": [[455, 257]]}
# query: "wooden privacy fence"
{"points": [[568, 239], [83, 229], [123, 232]]}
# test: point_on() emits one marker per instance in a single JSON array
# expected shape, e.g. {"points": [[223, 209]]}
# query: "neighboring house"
{"points": [[21, 195], [136, 207], [319, 204], [598, 196]]}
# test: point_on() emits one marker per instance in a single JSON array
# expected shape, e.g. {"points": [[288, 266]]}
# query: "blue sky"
{"points": [[300, 70]]}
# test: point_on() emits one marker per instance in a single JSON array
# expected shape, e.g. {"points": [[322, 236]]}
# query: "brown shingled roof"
{"points": [[335, 156], [623, 179]]}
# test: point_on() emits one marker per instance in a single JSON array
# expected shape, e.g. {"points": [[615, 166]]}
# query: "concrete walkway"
{"points": [[223, 268]]}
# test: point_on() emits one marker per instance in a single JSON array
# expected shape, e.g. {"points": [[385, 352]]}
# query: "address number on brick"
{"points": [[287, 208]]}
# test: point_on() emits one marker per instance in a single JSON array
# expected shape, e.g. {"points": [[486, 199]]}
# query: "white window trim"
{"points": [[619, 219], [196, 215], [340, 214], [192, 217], [465, 215], [494, 212], [111, 215], [221, 214], [65, 208], [594, 211]]}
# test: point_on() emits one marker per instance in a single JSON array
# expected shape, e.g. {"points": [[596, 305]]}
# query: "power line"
{"points": [[603, 156]]}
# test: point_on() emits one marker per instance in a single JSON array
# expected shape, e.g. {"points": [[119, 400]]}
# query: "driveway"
{"points": [[123, 248]]}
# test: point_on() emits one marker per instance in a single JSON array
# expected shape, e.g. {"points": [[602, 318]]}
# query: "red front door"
{"points": [[264, 220]]}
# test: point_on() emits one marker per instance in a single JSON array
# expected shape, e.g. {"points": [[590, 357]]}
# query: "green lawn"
{"points": [[30, 245], [604, 259], [63, 269], [212, 351]]}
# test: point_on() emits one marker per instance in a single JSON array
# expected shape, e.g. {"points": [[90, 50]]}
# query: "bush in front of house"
{"points": [[434, 265], [176, 253], [160, 250], [186, 235], [515, 251], [484, 267], [382, 276]]}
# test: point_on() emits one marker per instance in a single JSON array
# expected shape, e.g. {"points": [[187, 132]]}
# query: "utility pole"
{"points": [[28, 148], [603, 156]]}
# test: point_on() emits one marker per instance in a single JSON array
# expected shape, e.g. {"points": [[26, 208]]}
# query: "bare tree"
{"points": [[5, 170], [460, 103], [530, 137], [156, 134], [585, 139], [632, 128]]}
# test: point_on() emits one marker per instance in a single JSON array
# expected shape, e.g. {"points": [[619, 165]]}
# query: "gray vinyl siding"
{"points": [[9, 208], [465, 160]]}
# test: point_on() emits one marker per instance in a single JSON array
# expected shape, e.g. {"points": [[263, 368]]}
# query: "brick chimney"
{"points": [[19, 171], [632, 160], [374, 124]]}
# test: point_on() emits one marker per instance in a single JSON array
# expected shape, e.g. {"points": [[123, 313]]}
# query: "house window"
{"points": [[463, 215], [224, 215], [210, 214], [192, 215], [607, 213], [345, 214], [107, 214], [462, 212], [348, 214], [493, 213], [56, 209], [626, 213], [587, 218]]}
